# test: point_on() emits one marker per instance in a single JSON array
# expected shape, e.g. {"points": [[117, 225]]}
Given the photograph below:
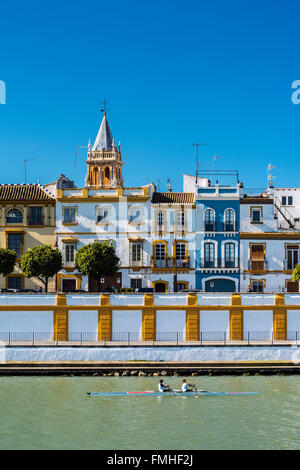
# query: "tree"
{"points": [[42, 262], [7, 261], [97, 260], [296, 273]]}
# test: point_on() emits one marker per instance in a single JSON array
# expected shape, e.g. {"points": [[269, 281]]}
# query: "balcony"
{"points": [[219, 263], [35, 220], [228, 227], [169, 263], [257, 266], [209, 227]]}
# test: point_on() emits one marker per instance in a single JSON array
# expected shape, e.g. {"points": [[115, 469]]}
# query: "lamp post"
{"points": [[175, 265]]}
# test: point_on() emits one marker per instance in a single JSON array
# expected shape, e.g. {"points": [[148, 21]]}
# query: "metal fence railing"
{"points": [[37, 338]]}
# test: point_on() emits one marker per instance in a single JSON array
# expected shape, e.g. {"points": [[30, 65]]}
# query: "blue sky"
{"points": [[173, 73]]}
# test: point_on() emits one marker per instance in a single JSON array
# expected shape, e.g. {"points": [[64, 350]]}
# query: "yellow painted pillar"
{"points": [[61, 319], [236, 320], [192, 319], [105, 319], [149, 319], [279, 319]]}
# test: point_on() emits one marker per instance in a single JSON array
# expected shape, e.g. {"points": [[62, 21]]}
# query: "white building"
{"points": [[152, 232], [270, 240]]}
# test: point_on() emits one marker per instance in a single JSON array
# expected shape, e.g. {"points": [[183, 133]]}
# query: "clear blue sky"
{"points": [[173, 73]]}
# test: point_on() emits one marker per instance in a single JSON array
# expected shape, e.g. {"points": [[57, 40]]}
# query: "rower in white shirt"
{"points": [[185, 386], [162, 387]]}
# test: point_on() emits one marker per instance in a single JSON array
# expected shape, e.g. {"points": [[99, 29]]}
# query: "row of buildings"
{"points": [[210, 237]]}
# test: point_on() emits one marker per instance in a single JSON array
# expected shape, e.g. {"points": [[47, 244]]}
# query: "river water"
{"points": [[43, 413]]}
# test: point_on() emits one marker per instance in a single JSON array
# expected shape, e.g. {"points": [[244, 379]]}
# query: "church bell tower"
{"points": [[104, 160]]}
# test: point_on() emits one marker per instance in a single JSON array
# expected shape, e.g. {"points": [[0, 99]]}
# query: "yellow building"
{"points": [[27, 219]]}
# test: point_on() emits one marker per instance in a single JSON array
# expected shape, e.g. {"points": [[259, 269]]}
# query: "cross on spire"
{"points": [[104, 106]]}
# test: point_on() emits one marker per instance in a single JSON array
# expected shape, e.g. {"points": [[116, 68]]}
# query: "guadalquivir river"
{"points": [[56, 413]]}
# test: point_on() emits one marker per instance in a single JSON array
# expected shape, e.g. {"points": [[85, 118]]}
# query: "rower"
{"points": [[185, 386], [162, 387]]}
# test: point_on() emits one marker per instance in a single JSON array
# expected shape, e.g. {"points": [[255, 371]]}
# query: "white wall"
{"points": [[85, 322], [27, 322], [169, 323], [124, 322], [214, 324], [258, 323]]}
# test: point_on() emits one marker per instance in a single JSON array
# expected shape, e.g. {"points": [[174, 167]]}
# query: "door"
{"points": [[68, 285], [160, 287], [219, 285]]}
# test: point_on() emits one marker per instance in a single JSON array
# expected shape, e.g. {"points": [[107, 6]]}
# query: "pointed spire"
{"points": [[104, 139]]}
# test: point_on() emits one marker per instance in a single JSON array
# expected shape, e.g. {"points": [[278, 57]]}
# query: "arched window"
{"points": [[229, 220], [209, 220], [209, 255], [14, 216], [229, 255]]}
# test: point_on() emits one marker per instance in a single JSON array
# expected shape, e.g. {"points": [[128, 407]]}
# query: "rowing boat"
{"points": [[151, 393]]}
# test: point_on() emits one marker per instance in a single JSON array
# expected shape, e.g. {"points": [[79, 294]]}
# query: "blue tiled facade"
{"points": [[217, 239]]}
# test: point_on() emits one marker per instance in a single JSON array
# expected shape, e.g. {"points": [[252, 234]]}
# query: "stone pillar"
{"points": [[279, 319], [192, 319], [61, 319], [149, 319], [236, 320], [105, 319]]}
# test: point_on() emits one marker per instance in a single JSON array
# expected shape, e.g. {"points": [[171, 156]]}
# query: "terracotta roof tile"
{"points": [[24, 192], [173, 198]]}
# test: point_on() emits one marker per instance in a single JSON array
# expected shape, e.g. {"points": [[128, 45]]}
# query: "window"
{"points": [[180, 218], [256, 215], [102, 215], [229, 219], [160, 255], [69, 251], [14, 216], [14, 282], [257, 255], [135, 283], [14, 242], [135, 215], [69, 215], [35, 215], [292, 256], [257, 286], [229, 255], [209, 255], [136, 254], [209, 220], [160, 220], [181, 286], [287, 200]]}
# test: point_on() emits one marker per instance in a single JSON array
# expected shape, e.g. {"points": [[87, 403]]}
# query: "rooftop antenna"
{"points": [[269, 175], [197, 162], [169, 185], [25, 163]]}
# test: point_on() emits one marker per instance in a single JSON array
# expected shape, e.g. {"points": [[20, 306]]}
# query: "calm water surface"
{"points": [[56, 413]]}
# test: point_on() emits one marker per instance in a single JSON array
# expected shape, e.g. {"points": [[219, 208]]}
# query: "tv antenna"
{"points": [[197, 162], [169, 185], [25, 163], [269, 174]]}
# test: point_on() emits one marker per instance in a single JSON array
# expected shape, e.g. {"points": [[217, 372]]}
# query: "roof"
{"points": [[173, 198], [104, 139], [256, 200], [24, 192]]}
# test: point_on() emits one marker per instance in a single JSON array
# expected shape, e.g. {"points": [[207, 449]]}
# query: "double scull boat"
{"points": [[152, 393]]}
